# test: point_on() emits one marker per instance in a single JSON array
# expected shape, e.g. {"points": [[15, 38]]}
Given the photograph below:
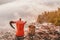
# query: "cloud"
{"points": [[53, 3], [5, 1], [27, 9]]}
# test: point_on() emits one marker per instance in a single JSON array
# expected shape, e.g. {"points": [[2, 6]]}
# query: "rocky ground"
{"points": [[43, 32]]}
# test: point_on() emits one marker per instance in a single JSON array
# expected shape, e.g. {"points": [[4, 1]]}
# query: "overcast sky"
{"points": [[26, 9]]}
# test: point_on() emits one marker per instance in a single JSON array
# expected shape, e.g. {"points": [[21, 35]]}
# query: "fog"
{"points": [[5, 1], [28, 10]]}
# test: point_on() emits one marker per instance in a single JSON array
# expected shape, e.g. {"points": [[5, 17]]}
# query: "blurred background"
{"points": [[28, 10]]}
